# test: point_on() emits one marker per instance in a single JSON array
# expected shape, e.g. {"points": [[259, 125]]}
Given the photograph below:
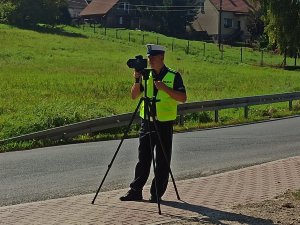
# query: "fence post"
{"points": [[104, 31], [181, 120], [246, 113], [157, 40], [291, 105], [188, 47], [262, 58], [222, 51], [94, 27], [216, 116], [285, 53], [143, 41], [204, 49], [172, 45], [241, 54]]}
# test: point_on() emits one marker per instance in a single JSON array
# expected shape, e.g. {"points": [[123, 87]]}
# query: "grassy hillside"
{"points": [[52, 79]]}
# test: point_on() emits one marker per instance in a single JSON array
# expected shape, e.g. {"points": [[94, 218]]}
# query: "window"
{"points": [[123, 6], [227, 23]]}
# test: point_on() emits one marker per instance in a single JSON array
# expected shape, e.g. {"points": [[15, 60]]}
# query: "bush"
{"points": [[6, 11]]}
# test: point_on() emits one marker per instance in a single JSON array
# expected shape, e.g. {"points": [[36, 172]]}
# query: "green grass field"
{"points": [[50, 79]]}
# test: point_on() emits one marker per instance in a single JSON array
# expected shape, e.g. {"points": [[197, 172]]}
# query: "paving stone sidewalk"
{"points": [[206, 196]]}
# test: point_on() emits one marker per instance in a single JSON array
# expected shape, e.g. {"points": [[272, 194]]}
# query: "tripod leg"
{"points": [[153, 160], [166, 158], [121, 142]]}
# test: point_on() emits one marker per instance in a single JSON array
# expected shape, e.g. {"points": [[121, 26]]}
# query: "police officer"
{"points": [[168, 88]]}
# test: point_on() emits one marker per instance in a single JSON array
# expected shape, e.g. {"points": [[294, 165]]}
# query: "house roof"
{"points": [[98, 7], [77, 4], [239, 6]]}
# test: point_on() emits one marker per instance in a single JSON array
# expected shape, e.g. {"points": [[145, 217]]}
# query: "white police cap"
{"points": [[153, 49]]}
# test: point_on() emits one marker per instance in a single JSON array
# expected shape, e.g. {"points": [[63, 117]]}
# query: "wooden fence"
{"points": [[262, 57]]}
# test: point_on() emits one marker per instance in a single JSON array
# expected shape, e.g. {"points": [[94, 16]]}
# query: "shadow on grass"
{"points": [[213, 216], [54, 30]]}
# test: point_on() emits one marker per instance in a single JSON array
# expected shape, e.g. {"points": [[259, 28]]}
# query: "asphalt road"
{"points": [[61, 171]]}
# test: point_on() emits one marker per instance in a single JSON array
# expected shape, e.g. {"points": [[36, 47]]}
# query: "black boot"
{"points": [[132, 195]]}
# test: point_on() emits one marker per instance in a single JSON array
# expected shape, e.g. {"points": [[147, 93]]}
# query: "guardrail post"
{"points": [[216, 116], [181, 120], [291, 105], [246, 113]]}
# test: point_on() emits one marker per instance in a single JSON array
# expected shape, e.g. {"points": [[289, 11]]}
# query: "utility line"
{"points": [[167, 6], [170, 10], [174, 7]]}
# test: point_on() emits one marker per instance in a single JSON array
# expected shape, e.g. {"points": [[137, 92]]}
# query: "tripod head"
{"points": [[145, 73], [139, 64]]}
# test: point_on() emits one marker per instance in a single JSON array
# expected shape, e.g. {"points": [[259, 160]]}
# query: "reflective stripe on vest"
{"points": [[166, 107]]}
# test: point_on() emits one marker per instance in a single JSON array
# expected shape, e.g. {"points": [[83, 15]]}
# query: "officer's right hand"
{"points": [[137, 74]]}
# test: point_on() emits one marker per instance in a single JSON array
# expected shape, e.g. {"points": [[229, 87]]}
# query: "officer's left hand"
{"points": [[160, 85]]}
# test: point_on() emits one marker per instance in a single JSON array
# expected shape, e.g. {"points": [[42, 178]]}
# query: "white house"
{"points": [[233, 23]]}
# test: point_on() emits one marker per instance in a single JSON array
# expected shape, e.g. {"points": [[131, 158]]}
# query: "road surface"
{"points": [[60, 171]]}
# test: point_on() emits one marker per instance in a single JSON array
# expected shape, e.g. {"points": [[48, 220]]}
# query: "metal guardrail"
{"points": [[96, 125]]}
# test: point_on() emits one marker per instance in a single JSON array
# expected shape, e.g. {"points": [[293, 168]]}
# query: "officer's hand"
{"points": [[137, 74], [160, 85]]}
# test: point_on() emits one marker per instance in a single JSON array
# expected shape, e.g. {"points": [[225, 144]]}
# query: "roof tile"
{"points": [[98, 7], [233, 5]]}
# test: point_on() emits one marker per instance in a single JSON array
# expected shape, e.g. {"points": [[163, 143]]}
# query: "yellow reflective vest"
{"points": [[166, 107]]}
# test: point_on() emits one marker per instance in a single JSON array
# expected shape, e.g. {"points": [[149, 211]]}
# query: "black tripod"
{"points": [[148, 113]]}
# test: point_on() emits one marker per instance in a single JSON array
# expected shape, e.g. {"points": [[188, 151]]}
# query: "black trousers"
{"points": [[142, 169]]}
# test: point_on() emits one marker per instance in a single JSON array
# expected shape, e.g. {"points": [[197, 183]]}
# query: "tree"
{"points": [[282, 23], [181, 13], [255, 25], [172, 15], [31, 12]]}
